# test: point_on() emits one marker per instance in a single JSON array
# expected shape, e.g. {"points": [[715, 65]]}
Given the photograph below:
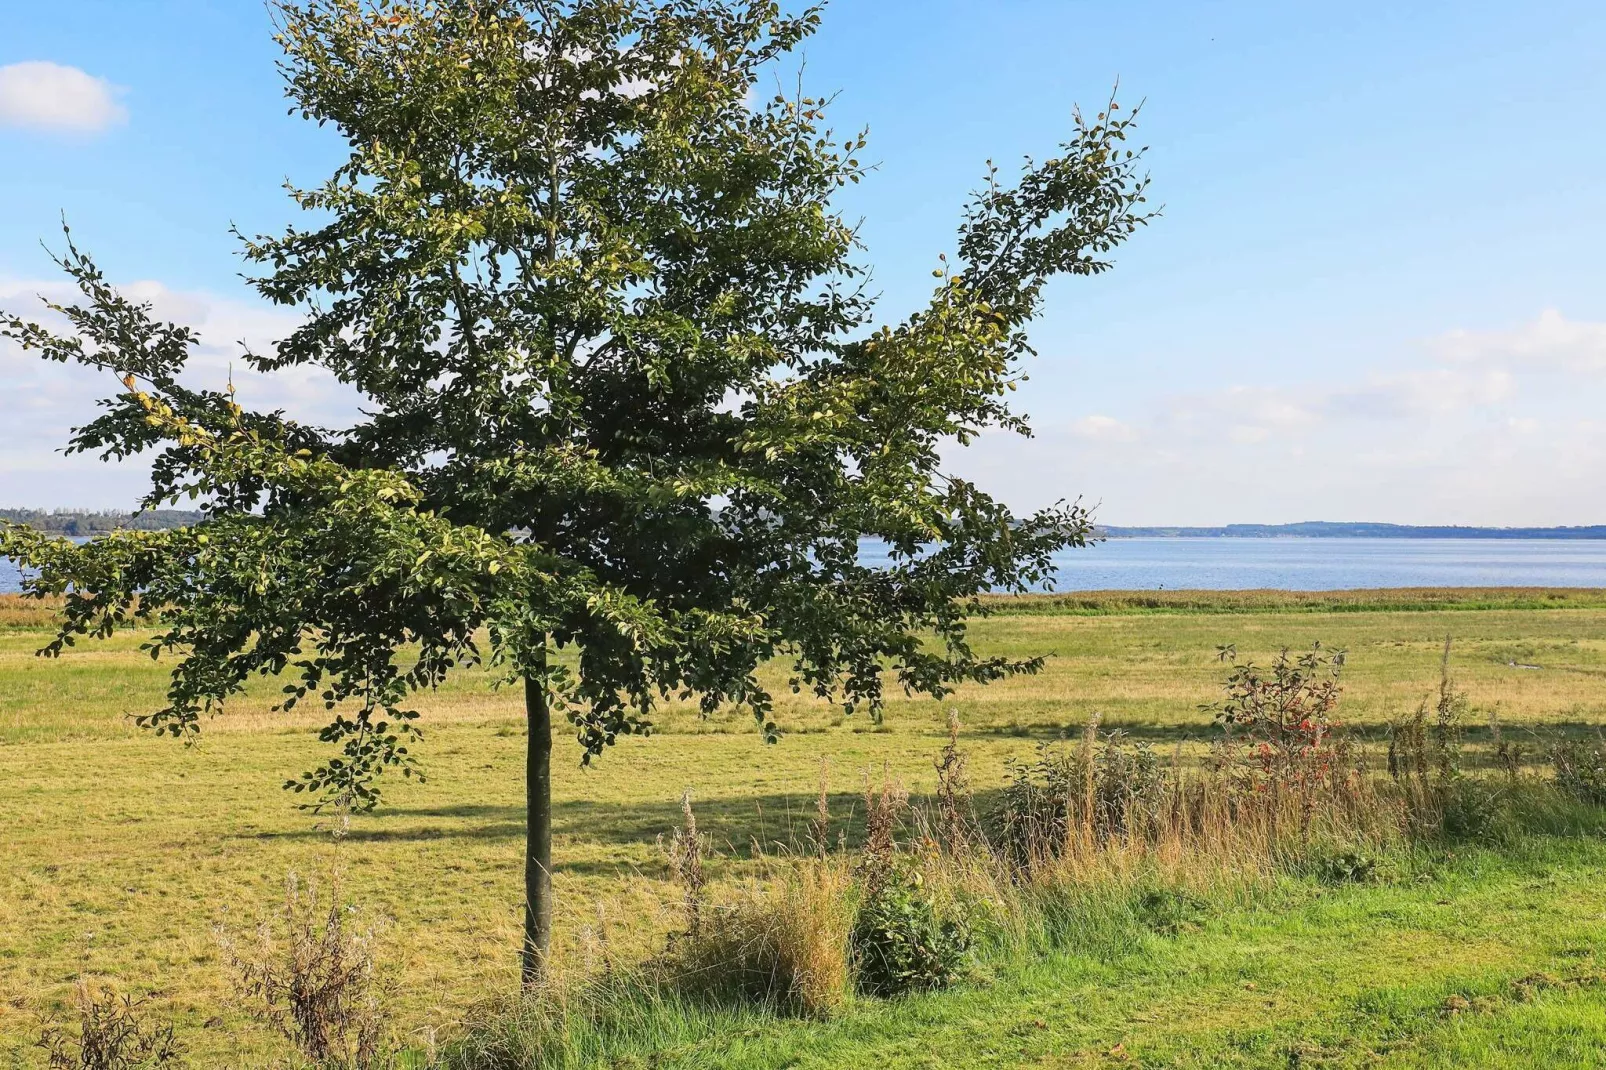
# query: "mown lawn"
{"points": [[123, 852]]}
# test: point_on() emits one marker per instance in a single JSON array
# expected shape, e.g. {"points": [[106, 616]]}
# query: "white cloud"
{"points": [[48, 96], [1419, 391], [1551, 341], [1242, 413], [1107, 428]]}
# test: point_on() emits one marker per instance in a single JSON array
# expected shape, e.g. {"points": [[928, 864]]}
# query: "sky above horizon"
{"points": [[1377, 291]]}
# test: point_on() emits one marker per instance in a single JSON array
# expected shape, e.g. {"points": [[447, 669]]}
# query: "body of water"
{"points": [[1299, 564], [1291, 564]]}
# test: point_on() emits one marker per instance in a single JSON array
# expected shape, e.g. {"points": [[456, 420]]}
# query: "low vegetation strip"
{"points": [[1094, 850], [1473, 958], [1361, 600], [18, 611]]}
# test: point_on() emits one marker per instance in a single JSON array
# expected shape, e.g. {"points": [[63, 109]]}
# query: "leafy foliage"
{"points": [[1349, 866], [1171, 911], [903, 941], [1284, 715], [620, 384]]}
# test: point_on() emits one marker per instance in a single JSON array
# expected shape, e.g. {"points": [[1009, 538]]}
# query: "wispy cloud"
{"points": [[1489, 427], [41, 95], [46, 400]]}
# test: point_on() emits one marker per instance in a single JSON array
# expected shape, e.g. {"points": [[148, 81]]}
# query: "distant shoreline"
{"points": [[92, 522], [1323, 529]]}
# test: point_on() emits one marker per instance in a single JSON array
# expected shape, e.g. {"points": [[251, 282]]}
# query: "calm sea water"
{"points": [[1293, 564], [1300, 564]]}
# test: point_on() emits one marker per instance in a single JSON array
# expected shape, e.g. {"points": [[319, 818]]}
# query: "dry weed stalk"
{"points": [[316, 983], [113, 1034], [820, 825], [882, 811], [684, 850], [953, 792]]}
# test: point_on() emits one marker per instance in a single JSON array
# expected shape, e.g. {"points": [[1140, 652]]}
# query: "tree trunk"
{"points": [[538, 837]]}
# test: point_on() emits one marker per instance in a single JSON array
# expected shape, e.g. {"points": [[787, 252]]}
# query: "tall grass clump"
{"points": [[778, 940], [1282, 790], [1426, 763]]}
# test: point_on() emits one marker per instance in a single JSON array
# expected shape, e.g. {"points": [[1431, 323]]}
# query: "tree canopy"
{"points": [[622, 389]]}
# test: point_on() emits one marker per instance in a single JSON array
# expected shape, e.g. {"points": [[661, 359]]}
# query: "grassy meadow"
{"points": [[124, 854]]}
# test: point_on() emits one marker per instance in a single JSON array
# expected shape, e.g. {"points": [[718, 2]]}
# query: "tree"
{"points": [[621, 396]]}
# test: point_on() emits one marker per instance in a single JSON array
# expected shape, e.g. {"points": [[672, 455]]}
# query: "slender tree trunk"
{"points": [[538, 818]]}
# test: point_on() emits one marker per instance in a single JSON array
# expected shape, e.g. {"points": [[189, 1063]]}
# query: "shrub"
{"points": [[1345, 867], [1471, 809], [1580, 769], [1284, 714], [1105, 787], [903, 942], [1170, 911], [112, 1034], [1035, 816]]}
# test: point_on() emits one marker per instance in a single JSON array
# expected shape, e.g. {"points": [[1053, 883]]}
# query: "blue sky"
{"points": [[1378, 290]]}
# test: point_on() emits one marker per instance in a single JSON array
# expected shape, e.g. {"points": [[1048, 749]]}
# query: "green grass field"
{"points": [[123, 852]]}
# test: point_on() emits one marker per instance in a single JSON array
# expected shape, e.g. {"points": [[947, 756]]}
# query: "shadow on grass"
{"points": [[740, 826]]}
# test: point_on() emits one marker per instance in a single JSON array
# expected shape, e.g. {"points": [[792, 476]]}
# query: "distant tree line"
{"points": [[81, 522]]}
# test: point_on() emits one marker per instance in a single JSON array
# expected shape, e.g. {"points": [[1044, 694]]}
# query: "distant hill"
{"points": [[77, 522], [1326, 529]]}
